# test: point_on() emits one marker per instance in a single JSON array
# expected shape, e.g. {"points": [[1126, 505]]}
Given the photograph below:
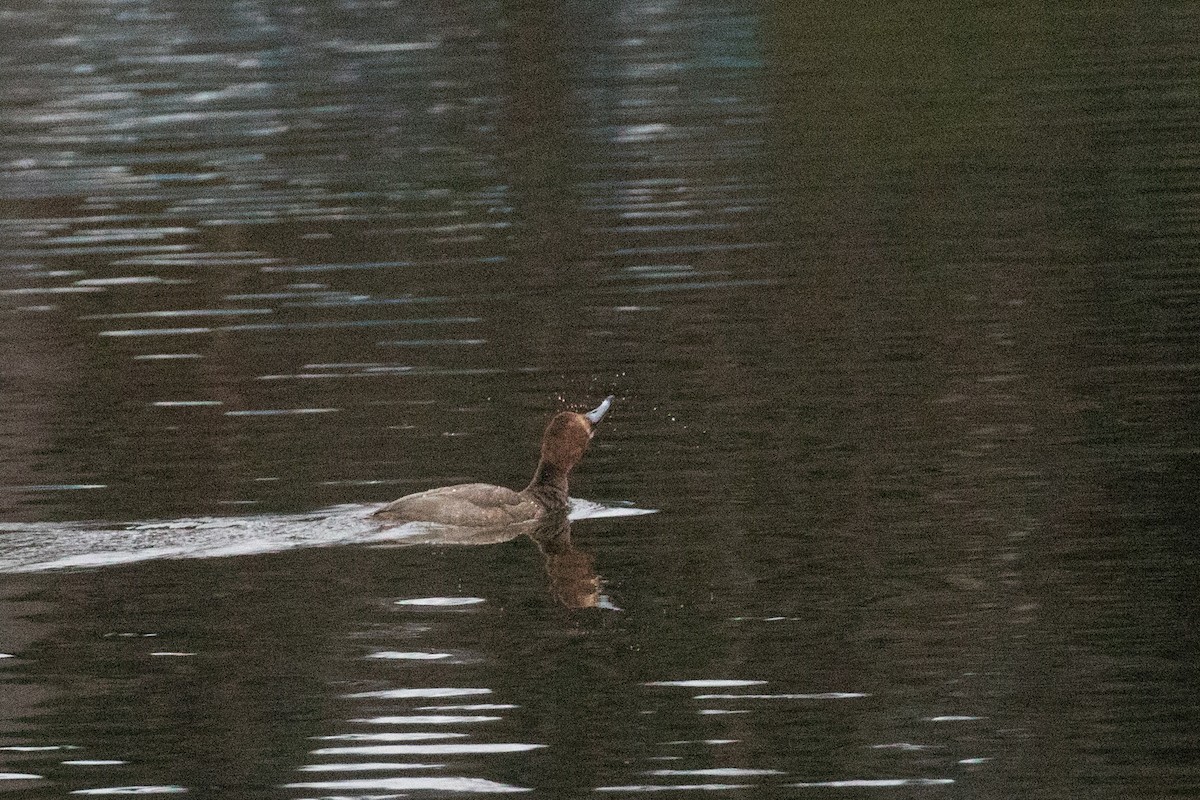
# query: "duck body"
{"points": [[464, 504], [483, 505]]}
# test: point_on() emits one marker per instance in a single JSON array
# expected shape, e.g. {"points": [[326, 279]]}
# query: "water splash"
{"points": [[43, 547]]}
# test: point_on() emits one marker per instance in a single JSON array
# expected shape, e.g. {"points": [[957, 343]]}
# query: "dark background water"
{"points": [[901, 307]]}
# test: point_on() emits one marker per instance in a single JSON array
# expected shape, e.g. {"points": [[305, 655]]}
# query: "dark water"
{"points": [[901, 308]]}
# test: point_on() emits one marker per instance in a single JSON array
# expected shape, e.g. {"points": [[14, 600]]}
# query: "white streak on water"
{"points": [[815, 696], [37, 748], [703, 787], [274, 412], [185, 403], [56, 487], [426, 719], [878, 783], [52, 290], [156, 332], [441, 601], [907, 747], [121, 790], [428, 749], [726, 772], [380, 47], [408, 736], [196, 312], [471, 707], [368, 766], [405, 694], [707, 682], [587, 509], [166, 356], [130, 280], [473, 785], [414, 656]]}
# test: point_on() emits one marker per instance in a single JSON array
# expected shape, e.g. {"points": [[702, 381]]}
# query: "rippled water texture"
{"points": [[900, 307]]}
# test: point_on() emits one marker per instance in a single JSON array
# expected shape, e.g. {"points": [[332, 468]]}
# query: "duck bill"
{"points": [[597, 413]]}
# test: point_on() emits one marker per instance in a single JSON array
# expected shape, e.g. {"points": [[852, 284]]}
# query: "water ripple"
{"points": [[122, 790], [680, 787], [811, 696], [468, 785], [441, 601], [429, 749], [408, 736], [199, 312], [877, 783], [276, 412], [426, 719], [290, 326], [727, 772], [368, 766], [707, 682], [404, 694], [392, 655]]}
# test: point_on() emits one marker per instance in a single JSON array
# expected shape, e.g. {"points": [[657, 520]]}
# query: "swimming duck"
{"points": [[484, 505]]}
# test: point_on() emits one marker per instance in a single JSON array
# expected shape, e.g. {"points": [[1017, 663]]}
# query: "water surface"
{"points": [[899, 308]]}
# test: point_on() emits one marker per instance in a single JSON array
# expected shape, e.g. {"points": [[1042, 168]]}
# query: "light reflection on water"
{"points": [[899, 307]]}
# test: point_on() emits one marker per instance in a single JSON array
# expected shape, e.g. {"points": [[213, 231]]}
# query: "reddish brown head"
{"points": [[568, 434]]}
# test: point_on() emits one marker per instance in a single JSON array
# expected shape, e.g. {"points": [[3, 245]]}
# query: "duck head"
{"points": [[568, 435]]}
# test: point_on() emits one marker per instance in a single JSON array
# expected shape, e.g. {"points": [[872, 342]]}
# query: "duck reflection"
{"points": [[573, 579]]}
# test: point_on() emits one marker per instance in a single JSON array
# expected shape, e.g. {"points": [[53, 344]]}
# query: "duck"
{"points": [[483, 505]]}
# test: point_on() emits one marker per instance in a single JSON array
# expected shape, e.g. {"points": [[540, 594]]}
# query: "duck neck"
{"points": [[549, 486]]}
